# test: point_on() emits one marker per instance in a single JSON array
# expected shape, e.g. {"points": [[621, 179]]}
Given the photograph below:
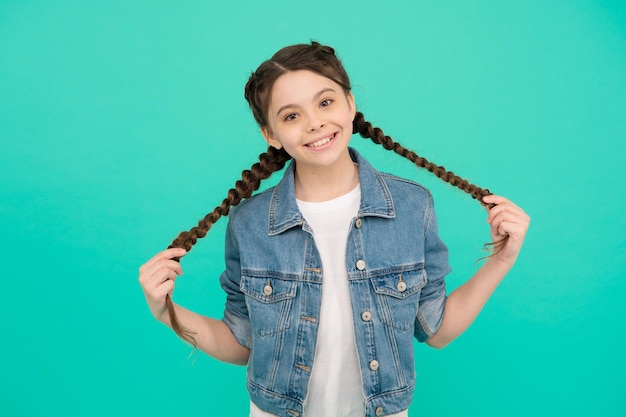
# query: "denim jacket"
{"points": [[396, 265]]}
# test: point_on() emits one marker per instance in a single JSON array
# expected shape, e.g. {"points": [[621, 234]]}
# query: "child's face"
{"points": [[311, 117]]}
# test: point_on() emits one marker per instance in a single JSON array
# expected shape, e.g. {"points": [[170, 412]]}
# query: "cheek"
{"points": [[288, 134], [347, 119], [348, 114]]}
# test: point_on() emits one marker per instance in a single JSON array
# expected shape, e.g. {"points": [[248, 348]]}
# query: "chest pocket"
{"points": [[269, 302], [397, 297]]}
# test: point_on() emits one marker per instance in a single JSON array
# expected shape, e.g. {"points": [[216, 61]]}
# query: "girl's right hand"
{"points": [[157, 277]]}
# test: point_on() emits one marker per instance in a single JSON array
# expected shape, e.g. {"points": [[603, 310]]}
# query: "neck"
{"points": [[316, 184]]}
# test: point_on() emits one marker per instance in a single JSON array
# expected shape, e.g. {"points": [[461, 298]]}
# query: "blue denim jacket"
{"points": [[396, 265]]}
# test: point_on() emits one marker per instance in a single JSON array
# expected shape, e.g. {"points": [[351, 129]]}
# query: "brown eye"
{"points": [[289, 117], [325, 103]]}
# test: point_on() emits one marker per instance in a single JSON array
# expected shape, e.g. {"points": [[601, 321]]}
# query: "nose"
{"points": [[315, 122]]}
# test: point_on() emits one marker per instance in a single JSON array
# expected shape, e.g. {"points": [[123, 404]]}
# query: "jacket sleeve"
{"points": [[433, 297], [236, 311]]}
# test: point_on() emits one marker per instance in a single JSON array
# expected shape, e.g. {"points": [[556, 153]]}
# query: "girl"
{"points": [[330, 274]]}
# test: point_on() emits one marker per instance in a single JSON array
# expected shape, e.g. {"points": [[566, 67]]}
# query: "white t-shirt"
{"points": [[335, 387]]}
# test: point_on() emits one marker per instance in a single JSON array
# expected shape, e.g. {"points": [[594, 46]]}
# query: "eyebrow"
{"points": [[286, 106]]}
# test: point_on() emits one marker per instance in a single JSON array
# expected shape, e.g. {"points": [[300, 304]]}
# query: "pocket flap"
{"points": [[268, 290], [400, 284]]}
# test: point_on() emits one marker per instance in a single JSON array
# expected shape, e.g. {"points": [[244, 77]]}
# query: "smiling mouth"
{"points": [[321, 142]]}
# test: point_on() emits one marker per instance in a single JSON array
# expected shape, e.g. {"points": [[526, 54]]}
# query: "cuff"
{"points": [[240, 327]]}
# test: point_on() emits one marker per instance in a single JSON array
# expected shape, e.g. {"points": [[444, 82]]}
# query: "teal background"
{"points": [[123, 122]]}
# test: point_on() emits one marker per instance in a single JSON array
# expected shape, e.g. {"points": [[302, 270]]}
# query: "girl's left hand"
{"points": [[507, 219]]}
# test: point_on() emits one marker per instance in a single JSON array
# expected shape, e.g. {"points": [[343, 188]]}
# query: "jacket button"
{"points": [[267, 290], [360, 264], [366, 316], [401, 286], [374, 365], [379, 411], [358, 223]]}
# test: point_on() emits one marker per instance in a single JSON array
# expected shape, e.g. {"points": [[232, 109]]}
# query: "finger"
{"points": [[497, 233], [161, 264], [166, 254], [494, 199], [154, 278], [507, 215], [513, 214], [162, 259], [505, 207], [500, 201], [514, 231], [503, 228], [521, 221], [162, 290], [159, 278]]}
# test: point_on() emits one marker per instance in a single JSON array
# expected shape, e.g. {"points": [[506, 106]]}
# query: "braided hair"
{"points": [[320, 59]]}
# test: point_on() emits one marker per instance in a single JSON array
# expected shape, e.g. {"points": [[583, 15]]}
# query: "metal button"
{"points": [[379, 411], [267, 290], [401, 286], [366, 316], [358, 223], [374, 365], [360, 264]]}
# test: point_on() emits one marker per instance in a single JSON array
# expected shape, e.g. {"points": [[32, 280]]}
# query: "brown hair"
{"points": [[321, 60]]}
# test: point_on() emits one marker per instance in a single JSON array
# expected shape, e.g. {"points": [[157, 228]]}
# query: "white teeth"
{"points": [[321, 142]]}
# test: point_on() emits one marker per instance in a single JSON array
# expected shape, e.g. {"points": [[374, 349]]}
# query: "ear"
{"points": [[269, 137], [351, 103]]}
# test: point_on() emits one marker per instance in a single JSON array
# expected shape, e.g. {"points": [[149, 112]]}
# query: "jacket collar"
{"points": [[375, 197]]}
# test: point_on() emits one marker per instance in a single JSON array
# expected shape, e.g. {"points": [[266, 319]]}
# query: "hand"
{"points": [[507, 219], [157, 277]]}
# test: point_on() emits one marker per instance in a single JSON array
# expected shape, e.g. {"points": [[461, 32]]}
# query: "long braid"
{"points": [[269, 162], [366, 130]]}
